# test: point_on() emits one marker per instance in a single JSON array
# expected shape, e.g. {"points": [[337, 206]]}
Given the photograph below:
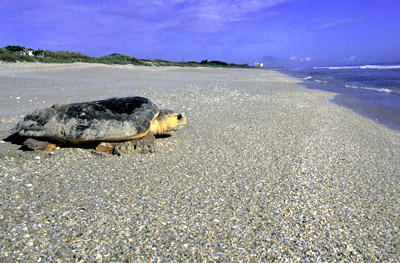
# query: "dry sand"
{"points": [[264, 170]]}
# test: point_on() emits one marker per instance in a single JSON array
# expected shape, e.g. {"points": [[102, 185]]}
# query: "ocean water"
{"points": [[370, 90]]}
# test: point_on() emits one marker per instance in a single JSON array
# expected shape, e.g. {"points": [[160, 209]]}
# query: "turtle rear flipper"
{"points": [[39, 145]]}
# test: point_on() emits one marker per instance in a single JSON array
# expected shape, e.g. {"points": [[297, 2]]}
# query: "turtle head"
{"points": [[167, 122]]}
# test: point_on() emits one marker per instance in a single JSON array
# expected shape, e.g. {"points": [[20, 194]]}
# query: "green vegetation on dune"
{"points": [[22, 54], [12, 56], [63, 57], [116, 58]]}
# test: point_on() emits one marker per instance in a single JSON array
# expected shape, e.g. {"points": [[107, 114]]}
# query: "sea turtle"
{"points": [[105, 123]]}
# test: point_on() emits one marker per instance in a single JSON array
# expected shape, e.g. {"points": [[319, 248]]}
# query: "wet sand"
{"points": [[264, 170]]}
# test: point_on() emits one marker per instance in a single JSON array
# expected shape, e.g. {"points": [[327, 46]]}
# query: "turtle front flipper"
{"points": [[39, 145], [141, 145], [106, 147]]}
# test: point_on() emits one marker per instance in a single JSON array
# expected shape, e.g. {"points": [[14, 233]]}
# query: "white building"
{"points": [[258, 65], [25, 52]]}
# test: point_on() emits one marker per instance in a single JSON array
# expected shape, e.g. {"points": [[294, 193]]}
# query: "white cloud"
{"points": [[350, 59], [299, 59], [229, 10], [325, 23]]}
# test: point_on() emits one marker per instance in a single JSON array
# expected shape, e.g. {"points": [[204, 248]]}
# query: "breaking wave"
{"points": [[378, 67], [382, 90], [310, 78]]}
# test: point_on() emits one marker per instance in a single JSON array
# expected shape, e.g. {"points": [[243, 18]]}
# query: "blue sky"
{"points": [[276, 32]]}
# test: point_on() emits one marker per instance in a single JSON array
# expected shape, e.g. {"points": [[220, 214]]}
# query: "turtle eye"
{"points": [[179, 116]]}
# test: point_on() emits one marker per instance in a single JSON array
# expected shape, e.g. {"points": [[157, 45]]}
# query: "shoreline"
{"points": [[263, 170], [384, 108]]}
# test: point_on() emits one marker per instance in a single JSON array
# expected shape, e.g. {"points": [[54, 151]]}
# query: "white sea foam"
{"points": [[315, 80], [343, 67], [382, 90], [379, 67]]}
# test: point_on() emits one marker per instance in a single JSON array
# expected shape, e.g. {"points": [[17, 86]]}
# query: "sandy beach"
{"points": [[264, 170]]}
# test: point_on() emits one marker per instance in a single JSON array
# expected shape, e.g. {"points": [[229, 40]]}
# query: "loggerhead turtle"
{"points": [[106, 123]]}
